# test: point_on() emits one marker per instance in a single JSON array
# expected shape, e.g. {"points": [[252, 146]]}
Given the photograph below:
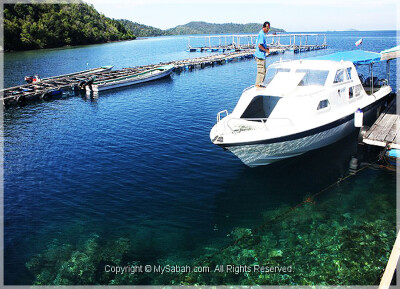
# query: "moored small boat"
{"points": [[148, 75]]}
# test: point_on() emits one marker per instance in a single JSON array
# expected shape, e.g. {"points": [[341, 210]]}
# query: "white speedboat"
{"points": [[305, 105]]}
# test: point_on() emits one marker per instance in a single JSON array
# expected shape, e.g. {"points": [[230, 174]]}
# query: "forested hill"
{"points": [[31, 26], [141, 30], [199, 27], [195, 27]]}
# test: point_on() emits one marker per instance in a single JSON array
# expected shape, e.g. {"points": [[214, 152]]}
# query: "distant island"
{"points": [[35, 26]]}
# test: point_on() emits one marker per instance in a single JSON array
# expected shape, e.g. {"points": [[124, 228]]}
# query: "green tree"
{"points": [[32, 26]]}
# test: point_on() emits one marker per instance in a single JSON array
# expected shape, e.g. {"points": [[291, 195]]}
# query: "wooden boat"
{"points": [[126, 80]]}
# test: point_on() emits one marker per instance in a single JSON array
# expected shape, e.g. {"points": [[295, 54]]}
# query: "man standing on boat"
{"points": [[261, 49]]}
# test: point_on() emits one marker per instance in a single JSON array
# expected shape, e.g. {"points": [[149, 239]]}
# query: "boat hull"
{"points": [[123, 83], [273, 150]]}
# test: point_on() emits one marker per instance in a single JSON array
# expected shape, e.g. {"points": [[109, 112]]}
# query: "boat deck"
{"points": [[385, 132]]}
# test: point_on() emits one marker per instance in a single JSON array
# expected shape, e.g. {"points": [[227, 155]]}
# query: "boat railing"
{"points": [[266, 123], [250, 87], [220, 113]]}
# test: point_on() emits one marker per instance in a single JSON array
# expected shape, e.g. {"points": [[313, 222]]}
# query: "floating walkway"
{"points": [[385, 132], [47, 88], [55, 86], [222, 43], [201, 62]]}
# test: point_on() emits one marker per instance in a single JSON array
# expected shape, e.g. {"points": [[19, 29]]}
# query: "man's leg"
{"points": [[260, 71]]}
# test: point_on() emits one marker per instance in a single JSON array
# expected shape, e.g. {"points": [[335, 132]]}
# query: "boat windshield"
{"points": [[272, 71], [313, 77]]}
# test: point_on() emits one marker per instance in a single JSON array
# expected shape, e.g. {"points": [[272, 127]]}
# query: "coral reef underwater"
{"points": [[341, 238]]}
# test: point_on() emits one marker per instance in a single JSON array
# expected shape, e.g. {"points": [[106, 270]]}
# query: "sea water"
{"points": [[130, 179]]}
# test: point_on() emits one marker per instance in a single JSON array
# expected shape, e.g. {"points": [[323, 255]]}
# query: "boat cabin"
{"points": [[331, 80]]}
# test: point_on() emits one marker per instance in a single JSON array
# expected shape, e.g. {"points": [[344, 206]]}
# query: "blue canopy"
{"points": [[355, 56]]}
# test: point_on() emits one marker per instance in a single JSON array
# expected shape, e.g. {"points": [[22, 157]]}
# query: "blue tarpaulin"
{"points": [[356, 56]]}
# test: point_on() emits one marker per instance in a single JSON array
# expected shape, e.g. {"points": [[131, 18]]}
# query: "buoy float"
{"points": [[358, 118]]}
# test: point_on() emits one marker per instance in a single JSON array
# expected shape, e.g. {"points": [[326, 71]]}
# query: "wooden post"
{"points": [[300, 44], [388, 71], [294, 41], [391, 265], [372, 79]]}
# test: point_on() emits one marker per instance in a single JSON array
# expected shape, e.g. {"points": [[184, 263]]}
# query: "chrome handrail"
{"points": [[221, 112]]}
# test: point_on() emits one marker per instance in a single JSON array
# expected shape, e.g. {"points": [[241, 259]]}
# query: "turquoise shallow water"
{"points": [[131, 178]]}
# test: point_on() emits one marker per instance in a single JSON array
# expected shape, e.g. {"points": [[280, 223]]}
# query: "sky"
{"points": [[290, 15]]}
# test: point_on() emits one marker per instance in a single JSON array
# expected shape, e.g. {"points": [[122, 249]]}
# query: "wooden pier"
{"points": [[221, 43], [201, 62], [385, 132], [55, 86], [50, 87]]}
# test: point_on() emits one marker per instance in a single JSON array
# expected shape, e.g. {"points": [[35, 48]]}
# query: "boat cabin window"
{"points": [[340, 76], [349, 73], [355, 91], [272, 71], [261, 106], [323, 104], [313, 77]]}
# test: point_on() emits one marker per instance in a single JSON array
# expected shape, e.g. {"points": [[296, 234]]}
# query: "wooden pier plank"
{"points": [[383, 127], [375, 127], [385, 131], [391, 136]]}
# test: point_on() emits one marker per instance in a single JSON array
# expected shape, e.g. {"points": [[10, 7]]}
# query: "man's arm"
{"points": [[261, 46]]}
